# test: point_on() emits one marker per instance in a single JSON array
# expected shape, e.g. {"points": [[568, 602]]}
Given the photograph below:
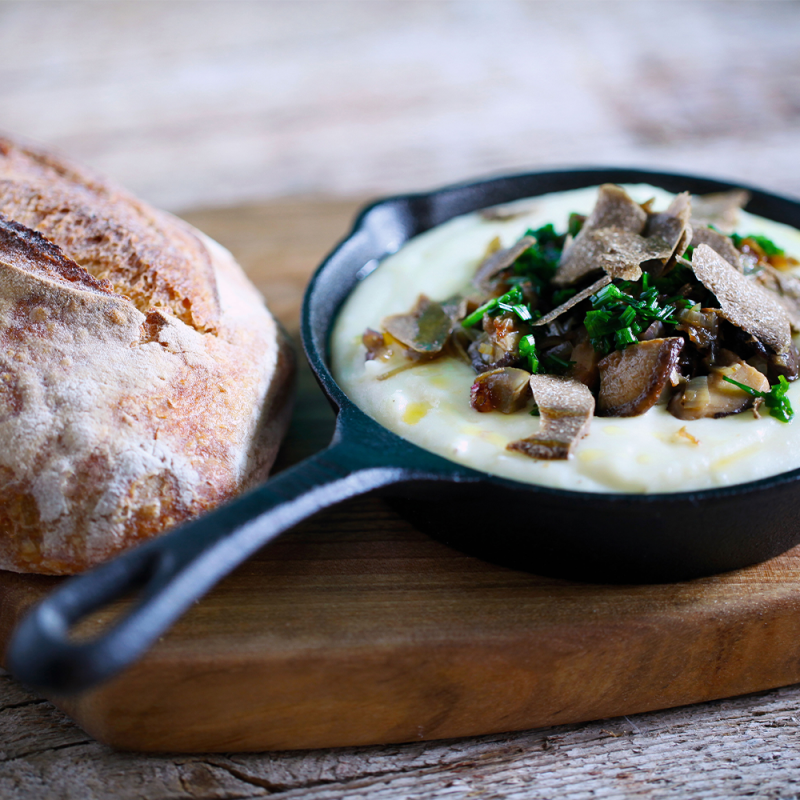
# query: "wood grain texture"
{"points": [[356, 629], [733, 748], [214, 103]]}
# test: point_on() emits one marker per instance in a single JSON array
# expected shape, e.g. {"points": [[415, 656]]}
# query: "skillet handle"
{"points": [[170, 572]]}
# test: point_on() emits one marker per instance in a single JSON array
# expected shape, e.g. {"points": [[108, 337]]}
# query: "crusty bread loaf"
{"points": [[142, 379]]}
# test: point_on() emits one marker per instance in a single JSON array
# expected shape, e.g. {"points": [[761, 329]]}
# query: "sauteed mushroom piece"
{"points": [[744, 303], [425, 329], [712, 396], [632, 380], [505, 390], [701, 325], [584, 360], [565, 408], [498, 345], [614, 209]]}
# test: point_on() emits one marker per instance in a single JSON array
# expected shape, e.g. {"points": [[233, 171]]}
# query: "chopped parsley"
{"points": [[775, 399]]}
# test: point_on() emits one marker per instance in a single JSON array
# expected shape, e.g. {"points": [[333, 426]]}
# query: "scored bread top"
{"points": [[142, 380]]}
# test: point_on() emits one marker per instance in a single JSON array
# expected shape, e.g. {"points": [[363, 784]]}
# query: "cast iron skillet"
{"points": [[587, 536]]}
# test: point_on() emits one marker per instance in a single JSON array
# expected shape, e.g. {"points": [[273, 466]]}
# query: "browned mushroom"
{"points": [[584, 360], [565, 410], [498, 345], [614, 209], [744, 303], [425, 329], [632, 380], [375, 344], [500, 260], [712, 396], [505, 390], [701, 325], [719, 243]]}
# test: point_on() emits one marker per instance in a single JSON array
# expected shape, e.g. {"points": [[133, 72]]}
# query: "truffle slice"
{"points": [[720, 209], [719, 243], [623, 252], [584, 294], [425, 329], [744, 303], [787, 291], [672, 226], [614, 209], [566, 407], [500, 260], [632, 380]]}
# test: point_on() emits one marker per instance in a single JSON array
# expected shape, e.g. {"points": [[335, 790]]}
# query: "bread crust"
{"points": [[142, 379]]}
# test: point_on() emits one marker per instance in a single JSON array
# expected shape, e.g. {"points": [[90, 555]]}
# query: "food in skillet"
{"points": [[630, 308]]}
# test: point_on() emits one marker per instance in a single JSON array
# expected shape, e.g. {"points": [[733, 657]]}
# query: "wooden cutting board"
{"points": [[357, 629]]}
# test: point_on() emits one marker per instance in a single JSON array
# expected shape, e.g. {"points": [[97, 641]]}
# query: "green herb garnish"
{"points": [[767, 245], [617, 318], [775, 399], [527, 349], [512, 300], [575, 223], [540, 261], [554, 365]]}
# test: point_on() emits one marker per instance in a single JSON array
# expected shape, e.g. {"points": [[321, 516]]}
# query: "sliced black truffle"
{"points": [[623, 252], [719, 243], [672, 227], [743, 302], [584, 294], [614, 209], [566, 407], [500, 260], [720, 209], [425, 329]]}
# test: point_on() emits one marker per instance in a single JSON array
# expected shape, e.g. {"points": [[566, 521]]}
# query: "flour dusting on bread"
{"points": [[142, 380]]}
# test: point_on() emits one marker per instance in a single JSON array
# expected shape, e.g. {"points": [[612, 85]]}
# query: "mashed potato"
{"points": [[429, 404]]}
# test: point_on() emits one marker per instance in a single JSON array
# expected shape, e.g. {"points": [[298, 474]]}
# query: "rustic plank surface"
{"points": [[201, 104], [216, 102], [721, 749]]}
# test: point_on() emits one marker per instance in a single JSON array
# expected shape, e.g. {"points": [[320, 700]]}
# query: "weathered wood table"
{"points": [[713, 750], [206, 105]]}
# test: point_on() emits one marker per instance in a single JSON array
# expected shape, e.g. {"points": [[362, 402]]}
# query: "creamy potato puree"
{"points": [[429, 404]]}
